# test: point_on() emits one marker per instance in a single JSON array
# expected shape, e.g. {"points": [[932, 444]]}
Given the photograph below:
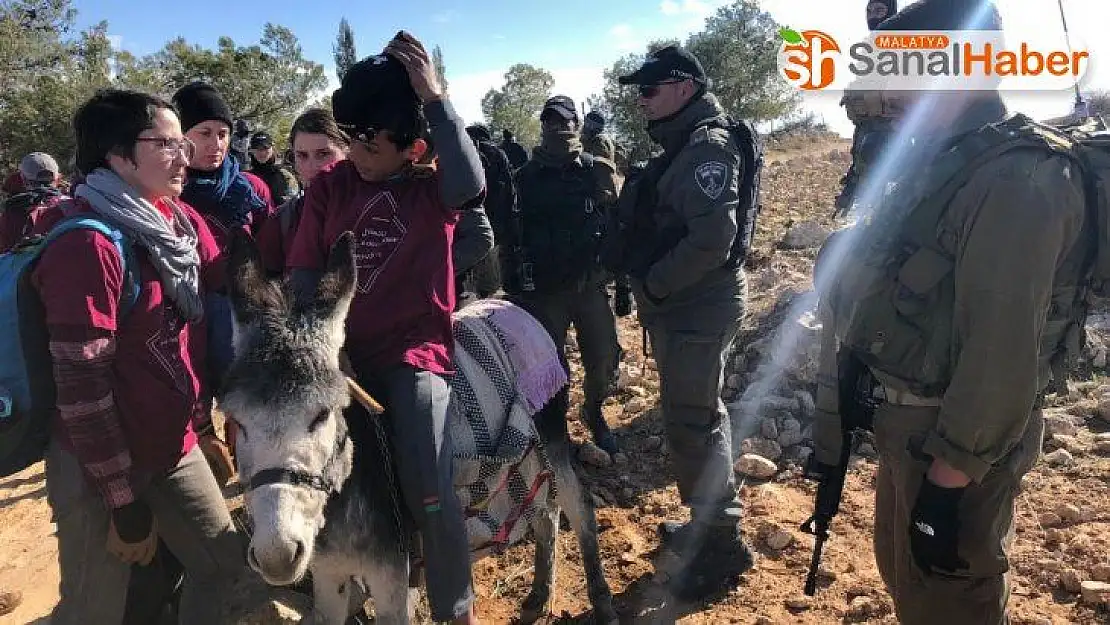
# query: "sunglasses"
{"points": [[361, 134], [648, 92], [172, 147]]}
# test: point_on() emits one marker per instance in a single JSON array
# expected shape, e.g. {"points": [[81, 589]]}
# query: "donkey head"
{"points": [[286, 392]]}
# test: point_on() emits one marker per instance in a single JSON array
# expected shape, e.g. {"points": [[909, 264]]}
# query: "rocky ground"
{"points": [[1061, 564]]}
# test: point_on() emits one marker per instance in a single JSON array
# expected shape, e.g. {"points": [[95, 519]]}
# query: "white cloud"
{"points": [[695, 8], [623, 38], [444, 17]]}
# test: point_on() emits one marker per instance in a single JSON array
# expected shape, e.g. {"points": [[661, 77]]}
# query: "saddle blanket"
{"points": [[507, 369]]}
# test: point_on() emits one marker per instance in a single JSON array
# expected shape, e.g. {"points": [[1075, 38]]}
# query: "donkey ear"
{"points": [[251, 292], [336, 287]]}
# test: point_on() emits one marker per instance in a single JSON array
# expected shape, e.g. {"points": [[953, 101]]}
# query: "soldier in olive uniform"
{"points": [[960, 297], [593, 141], [683, 251]]}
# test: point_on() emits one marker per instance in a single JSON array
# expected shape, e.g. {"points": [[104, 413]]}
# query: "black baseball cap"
{"points": [[562, 105], [666, 64], [261, 141]]}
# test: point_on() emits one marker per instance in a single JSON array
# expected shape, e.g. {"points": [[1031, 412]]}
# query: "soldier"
{"points": [[872, 131], [593, 141], [553, 271], [684, 227], [959, 299]]}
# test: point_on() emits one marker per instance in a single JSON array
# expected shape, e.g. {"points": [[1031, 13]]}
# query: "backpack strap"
{"points": [[131, 286]]}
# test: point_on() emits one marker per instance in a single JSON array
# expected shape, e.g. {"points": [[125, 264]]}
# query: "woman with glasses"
{"points": [[226, 197], [123, 468]]}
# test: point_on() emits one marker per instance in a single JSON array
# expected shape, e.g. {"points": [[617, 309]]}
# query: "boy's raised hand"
{"points": [[422, 72]]}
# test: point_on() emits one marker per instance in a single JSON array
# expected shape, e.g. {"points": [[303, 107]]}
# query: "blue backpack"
{"points": [[27, 392]]}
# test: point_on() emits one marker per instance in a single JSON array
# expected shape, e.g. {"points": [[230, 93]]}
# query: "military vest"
{"points": [[893, 300]]}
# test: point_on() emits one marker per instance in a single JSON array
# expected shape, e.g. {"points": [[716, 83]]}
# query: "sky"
{"points": [[575, 39]]}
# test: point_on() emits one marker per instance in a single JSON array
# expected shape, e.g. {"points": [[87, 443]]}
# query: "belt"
{"points": [[898, 397]]}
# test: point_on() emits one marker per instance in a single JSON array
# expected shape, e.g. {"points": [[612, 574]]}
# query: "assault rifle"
{"points": [[857, 408]]}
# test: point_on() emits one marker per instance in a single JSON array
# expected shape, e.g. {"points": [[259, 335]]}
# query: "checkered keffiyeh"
{"points": [[507, 368]]}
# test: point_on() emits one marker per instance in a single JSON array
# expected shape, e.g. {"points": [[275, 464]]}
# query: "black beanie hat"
{"points": [[946, 15], [376, 93], [199, 102]]}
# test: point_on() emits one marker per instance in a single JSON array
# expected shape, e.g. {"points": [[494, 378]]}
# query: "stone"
{"points": [[806, 235], [734, 382], [1069, 443], [1104, 437], [1094, 593], [1070, 581], [802, 455], [756, 466], [593, 455], [779, 539], [1060, 423], [1049, 519], [1102, 447], [827, 574], [761, 447], [862, 607], [1059, 458], [791, 433], [9, 601], [1069, 513], [637, 391], [636, 405], [284, 611], [769, 429], [806, 405], [1101, 573], [799, 603], [763, 620]]}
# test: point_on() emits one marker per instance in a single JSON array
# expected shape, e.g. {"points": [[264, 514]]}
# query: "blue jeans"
{"points": [[218, 320]]}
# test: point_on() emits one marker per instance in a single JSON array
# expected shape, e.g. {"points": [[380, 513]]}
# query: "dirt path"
{"points": [[1063, 527]]}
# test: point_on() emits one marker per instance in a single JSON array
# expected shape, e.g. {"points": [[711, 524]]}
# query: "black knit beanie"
{"points": [[946, 15], [376, 93], [199, 102]]}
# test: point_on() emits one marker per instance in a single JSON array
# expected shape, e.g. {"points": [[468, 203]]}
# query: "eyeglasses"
{"points": [[648, 92], [363, 135], [173, 147]]}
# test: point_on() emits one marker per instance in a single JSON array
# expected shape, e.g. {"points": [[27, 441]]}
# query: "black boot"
{"points": [[599, 429], [708, 559]]}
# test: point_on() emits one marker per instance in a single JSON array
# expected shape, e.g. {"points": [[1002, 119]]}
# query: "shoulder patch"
{"points": [[712, 177]]}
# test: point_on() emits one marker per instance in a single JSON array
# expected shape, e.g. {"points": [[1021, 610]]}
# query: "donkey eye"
{"points": [[319, 420]]}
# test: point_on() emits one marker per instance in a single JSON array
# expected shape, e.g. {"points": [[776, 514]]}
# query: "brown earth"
{"points": [[1063, 526]]}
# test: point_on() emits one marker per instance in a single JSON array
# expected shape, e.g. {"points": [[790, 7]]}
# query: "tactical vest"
{"points": [[643, 230], [893, 300], [557, 226]]}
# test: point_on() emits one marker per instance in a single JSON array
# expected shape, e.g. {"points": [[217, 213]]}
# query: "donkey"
{"points": [[315, 468]]}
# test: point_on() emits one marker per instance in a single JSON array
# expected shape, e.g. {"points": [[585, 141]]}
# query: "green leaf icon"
{"points": [[790, 36]]}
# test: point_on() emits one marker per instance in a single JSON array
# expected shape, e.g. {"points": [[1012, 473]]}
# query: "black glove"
{"points": [[935, 529], [133, 521]]}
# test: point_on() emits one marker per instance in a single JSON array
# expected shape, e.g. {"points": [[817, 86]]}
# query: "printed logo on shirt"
{"points": [[379, 233], [165, 347]]}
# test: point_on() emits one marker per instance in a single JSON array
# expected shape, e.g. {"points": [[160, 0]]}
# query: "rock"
{"points": [[763, 620], [1104, 437], [593, 455], [285, 611], [1070, 581], [756, 466], [862, 608], [9, 601], [802, 455], [1060, 423], [636, 405], [779, 539], [761, 447], [1094, 593], [769, 429], [652, 443], [780, 405], [791, 433], [799, 603], [638, 391], [806, 405], [734, 382], [1101, 573], [827, 574], [806, 235], [867, 450], [1049, 519], [1069, 513], [1059, 458], [1069, 443], [1102, 447], [1103, 410]]}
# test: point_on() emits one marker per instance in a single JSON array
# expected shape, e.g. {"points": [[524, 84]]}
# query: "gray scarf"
{"points": [[174, 256]]}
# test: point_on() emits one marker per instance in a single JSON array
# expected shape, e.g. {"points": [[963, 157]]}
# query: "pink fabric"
{"points": [[531, 351]]}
